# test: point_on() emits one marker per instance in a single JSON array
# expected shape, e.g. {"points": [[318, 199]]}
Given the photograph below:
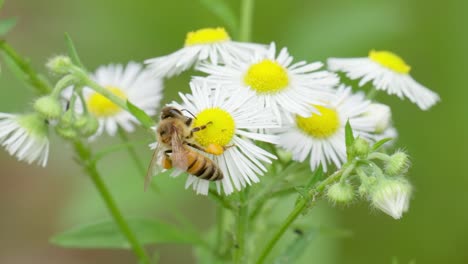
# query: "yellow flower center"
{"points": [[319, 126], [220, 127], [206, 36], [100, 106], [390, 60], [267, 76]]}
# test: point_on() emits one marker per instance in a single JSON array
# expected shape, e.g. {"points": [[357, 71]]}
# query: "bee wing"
{"points": [[179, 153], [154, 167]]}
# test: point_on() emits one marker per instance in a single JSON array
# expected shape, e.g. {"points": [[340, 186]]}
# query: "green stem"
{"points": [[300, 206], [221, 200], [133, 154], [33, 78], [84, 154], [242, 226], [247, 7], [372, 93]]}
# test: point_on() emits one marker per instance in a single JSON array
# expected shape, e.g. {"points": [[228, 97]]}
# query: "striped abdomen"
{"points": [[203, 167]]}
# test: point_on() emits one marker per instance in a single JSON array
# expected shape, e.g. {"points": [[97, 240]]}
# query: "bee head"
{"points": [[169, 111]]}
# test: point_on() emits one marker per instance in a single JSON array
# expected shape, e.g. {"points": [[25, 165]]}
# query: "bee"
{"points": [[175, 148]]}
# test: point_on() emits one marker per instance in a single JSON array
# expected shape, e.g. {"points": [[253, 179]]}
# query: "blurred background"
{"points": [[36, 203]]}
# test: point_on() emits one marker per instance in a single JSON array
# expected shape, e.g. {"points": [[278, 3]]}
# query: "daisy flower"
{"points": [[277, 83], [130, 82], [392, 196], [231, 117], [25, 136], [388, 72], [322, 136], [213, 44]]}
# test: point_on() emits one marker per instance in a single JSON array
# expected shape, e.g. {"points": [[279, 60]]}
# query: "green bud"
{"points": [[360, 147], [397, 164], [67, 119], [90, 126], [340, 193], [59, 64], [366, 186], [80, 121], [66, 132], [48, 106]]}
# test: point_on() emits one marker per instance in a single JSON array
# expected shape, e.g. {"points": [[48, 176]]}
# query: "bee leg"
{"points": [[195, 146], [196, 129]]}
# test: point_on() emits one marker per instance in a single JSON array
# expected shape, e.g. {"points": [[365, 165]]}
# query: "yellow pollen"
{"points": [[100, 106], [390, 60], [267, 76], [319, 126], [206, 36], [220, 127]]}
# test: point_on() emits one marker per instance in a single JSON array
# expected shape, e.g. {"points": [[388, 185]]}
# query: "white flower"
{"points": [[387, 72], [392, 196], [213, 44], [322, 136], [25, 136], [130, 82], [279, 85], [230, 118]]}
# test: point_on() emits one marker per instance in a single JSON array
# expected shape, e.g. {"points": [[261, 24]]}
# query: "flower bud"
{"points": [[381, 115], [67, 119], [360, 147], [59, 64], [90, 127], [66, 132], [397, 164], [340, 193], [48, 106], [391, 196]]}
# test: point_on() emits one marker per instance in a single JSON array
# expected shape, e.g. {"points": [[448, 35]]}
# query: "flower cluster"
{"points": [[247, 96]]}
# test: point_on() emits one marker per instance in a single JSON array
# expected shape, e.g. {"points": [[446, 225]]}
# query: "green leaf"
{"points": [[72, 52], [144, 119], [349, 135], [380, 143], [294, 251], [6, 25], [224, 12], [106, 234], [15, 69], [317, 176]]}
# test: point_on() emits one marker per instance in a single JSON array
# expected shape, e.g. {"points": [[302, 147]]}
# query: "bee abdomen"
{"points": [[209, 170]]}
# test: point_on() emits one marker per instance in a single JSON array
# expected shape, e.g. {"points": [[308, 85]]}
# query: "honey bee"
{"points": [[175, 148]]}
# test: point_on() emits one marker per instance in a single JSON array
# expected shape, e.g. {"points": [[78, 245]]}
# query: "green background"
{"points": [[431, 36]]}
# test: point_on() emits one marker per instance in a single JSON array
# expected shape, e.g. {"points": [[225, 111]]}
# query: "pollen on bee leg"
{"points": [[166, 163], [215, 149]]}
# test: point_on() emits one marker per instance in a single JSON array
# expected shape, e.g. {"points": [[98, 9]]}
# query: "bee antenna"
{"points": [[185, 110]]}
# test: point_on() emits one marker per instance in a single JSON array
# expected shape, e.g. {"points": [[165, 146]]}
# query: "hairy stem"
{"points": [[84, 154], [242, 226], [33, 78]]}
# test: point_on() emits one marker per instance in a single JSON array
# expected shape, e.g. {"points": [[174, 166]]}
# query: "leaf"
{"points": [[6, 25], [294, 251], [72, 52], [317, 176], [224, 12], [106, 234], [380, 143], [139, 114], [349, 137], [15, 69]]}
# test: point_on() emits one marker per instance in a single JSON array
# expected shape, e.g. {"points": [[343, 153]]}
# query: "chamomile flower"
{"points": [[130, 82], [25, 136], [279, 85], [321, 137], [388, 72], [229, 119], [213, 44]]}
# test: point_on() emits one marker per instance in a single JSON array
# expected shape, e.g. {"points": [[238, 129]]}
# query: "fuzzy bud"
{"points": [[48, 106], [392, 196], [397, 164], [360, 147], [59, 64], [90, 127], [66, 132], [341, 193]]}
